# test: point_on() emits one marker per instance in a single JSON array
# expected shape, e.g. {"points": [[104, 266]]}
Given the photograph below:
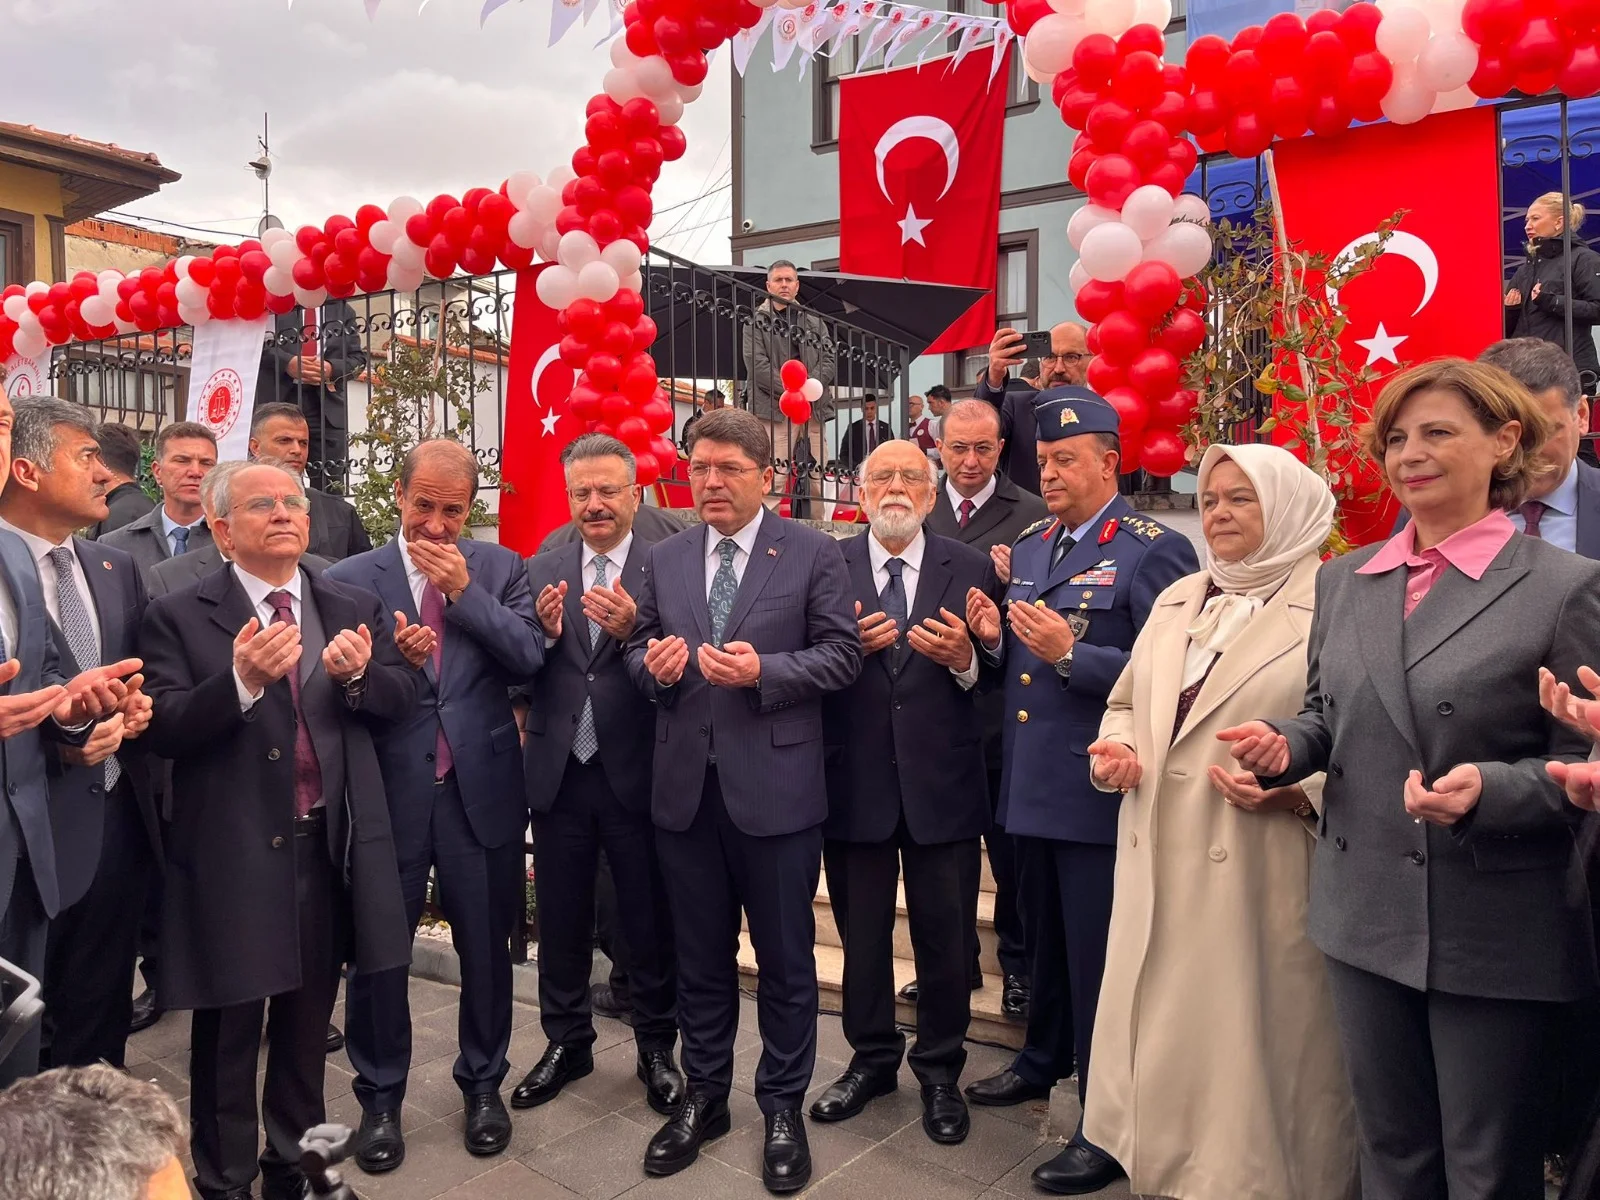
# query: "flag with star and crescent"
{"points": [[919, 181]]}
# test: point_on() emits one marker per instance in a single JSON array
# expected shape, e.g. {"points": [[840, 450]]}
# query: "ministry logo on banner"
{"points": [[21, 377], [222, 381]]}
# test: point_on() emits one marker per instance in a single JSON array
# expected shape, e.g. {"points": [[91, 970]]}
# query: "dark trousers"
{"points": [[224, 1044], [608, 928], [480, 895], [88, 983], [1449, 1090], [1009, 923], [567, 840], [1068, 887], [862, 884], [712, 869], [23, 932]]}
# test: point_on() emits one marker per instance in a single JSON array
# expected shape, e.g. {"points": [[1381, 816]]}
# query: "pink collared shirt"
{"points": [[1468, 550]]}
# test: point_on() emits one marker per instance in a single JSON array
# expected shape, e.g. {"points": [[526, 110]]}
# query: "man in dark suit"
{"points": [[185, 451], [1065, 366], [590, 733], [280, 432], [863, 435], [906, 794], [266, 683], [652, 524], [744, 625], [308, 363], [710, 402], [102, 809], [1081, 588], [120, 451], [452, 773], [982, 508]]}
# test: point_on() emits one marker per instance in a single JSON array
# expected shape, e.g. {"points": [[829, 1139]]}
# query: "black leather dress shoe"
{"points": [[944, 1114], [663, 1082], [380, 1145], [1077, 1171], [335, 1040], [786, 1158], [603, 1002], [849, 1094], [1014, 997], [146, 1010], [910, 992], [287, 1185], [1004, 1090], [559, 1067], [488, 1124], [677, 1143]]}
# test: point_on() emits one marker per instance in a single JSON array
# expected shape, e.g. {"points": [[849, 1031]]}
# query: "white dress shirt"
{"points": [[9, 626], [258, 589], [40, 551], [168, 525], [978, 501], [1559, 523], [415, 579], [745, 539], [910, 573], [615, 557]]}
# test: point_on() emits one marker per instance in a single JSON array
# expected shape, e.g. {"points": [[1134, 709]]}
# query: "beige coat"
{"points": [[1217, 1073]]}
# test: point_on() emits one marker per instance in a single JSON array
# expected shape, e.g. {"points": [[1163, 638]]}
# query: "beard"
{"points": [[895, 523]]}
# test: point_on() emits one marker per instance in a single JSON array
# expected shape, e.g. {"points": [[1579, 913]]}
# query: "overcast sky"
{"points": [[360, 111]]}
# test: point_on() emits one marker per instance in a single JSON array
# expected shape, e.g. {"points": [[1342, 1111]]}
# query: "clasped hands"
{"points": [[609, 607], [1115, 765], [942, 639], [264, 655], [1581, 781], [735, 665], [110, 695], [1041, 629]]}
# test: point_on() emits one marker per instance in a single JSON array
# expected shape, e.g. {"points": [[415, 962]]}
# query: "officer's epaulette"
{"points": [[1144, 527], [1033, 529]]}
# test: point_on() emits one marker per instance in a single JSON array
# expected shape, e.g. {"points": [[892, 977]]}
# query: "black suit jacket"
{"points": [[146, 540], [1019, 428], [625, 719], [649, 523], [175, 574], [336, 529], [339, 344], [853, 445], [229, 931], [78, 794], [906, 739], [127, 502]]}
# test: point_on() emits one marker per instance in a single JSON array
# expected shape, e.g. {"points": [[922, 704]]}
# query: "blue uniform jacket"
{"points": [[1111, 577]]}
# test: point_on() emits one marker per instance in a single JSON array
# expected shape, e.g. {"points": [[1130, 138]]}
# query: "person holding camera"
{"points": [[1066, 363]]}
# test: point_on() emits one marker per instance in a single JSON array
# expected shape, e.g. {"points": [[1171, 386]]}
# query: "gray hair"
{"points": [[85, 1133], [455, 457], [1538, 365], [222, 499], [978, 410], [34, 425], [599, 445], [779, 265], [215, 481]]}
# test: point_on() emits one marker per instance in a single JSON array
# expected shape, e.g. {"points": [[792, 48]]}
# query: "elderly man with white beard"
{"points": [[906, 793]]}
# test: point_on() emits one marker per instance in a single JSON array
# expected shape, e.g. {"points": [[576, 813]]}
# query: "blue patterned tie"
{"points": [[724, 586], [180, 540], [893, 599], [586, 742], [78, 627]]}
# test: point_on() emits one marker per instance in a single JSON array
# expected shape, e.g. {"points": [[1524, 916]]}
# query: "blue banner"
{"points": [[1227, 17]]}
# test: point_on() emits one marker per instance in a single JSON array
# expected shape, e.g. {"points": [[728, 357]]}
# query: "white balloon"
{"points": [[811, 389], [557, 286], [408, 254], [792, 3], [1085, 219], [550, 247], [307, 299], [544, 204], [403, 208], [634, 283], [29, 345], [182, 265], [519, 185], [271, 237], [763, 3], [1110, 251], [1462, 97], [193, 314], [1186, 246], [97, 312], [1050, 43], [526, 230], [278, 282], [124, 326], [578, 250], [622, 256], [36, 288], [1033, 72], [1148, 210], [189, 292], [383, 235], [1071, 8], [671, 109], [405, 279], [598, 281], [621, 56], [284, 254], [1114, 17], [655, 77], [690, 92], [622, 84], [109, 278], [1189, 207], [1409, 99], [1402, 33], [1448, 61], [1153, 12], [14, 306]]}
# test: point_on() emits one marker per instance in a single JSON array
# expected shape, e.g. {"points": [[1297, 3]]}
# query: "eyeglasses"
{"points": [[1071, 359], [912, 476], [725, 470], [608, 492], [265, 506], [962, 449]]}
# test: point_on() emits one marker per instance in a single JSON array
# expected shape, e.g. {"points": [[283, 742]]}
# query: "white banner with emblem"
{"points": [[222, 381], [21, 377]]}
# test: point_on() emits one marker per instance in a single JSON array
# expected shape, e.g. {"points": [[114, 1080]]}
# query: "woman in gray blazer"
{"points": [[1447, 891]]}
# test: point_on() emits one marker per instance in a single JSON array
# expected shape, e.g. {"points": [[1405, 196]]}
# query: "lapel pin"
{"points": [[106, 565], [772, 551]]}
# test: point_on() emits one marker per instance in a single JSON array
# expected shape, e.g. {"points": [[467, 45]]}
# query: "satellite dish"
{"points": [[268, 222]]}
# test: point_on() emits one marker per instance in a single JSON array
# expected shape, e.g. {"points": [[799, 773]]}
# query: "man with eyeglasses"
{"points": [[267, 683], [590, 734], [902, 802], [461, 613], [1015, 399]]}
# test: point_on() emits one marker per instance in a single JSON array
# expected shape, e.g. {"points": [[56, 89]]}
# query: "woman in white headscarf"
{"points": [[1217, 1070]]}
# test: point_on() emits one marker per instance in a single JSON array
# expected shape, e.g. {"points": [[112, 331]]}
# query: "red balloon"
{"points": [[495, 213], [617, 339], [84, 284], [306, 237], [1172, 110], [605, 370], [1183, 334], [1151, 290], [634, 207], [1176, 408], [1146, 144], [673, 36], [1535, 83], [794, 375], [601, 103], [1104, 375], [639, 384], [1492, 79], [1205, 113], [1142, 37], [644, 334], [1022, 15], [249, 300], [201, 270], [456, 227], [476, 261], [1248, 135], [673, 143], [255, 264], [1247, 38], [1137, 81], [640, 39], [604, 130], [1368, 80], [1111, 180], [657, 413], [1207, 57], [1288, 107], [575, 352], [1154, 373], [1170, 177], [1182, 154], [1325, 60], [1094, 59], [1133, 412], [605, 227], [1097, 300], [1283, 41], [615, 408], [1163, 452], [1492, 23], [1078, 166], [1121, 336], [473, 197], [439, 260], [689, 69], [1539, 48], [796, 407], [1244, 81], [1323, 20], [625, 307], [1329, 116], [337, 224], [1358, 26], [1581, 75], [306, 275], [569, 219], [585, 403], [645, 154], [1108, 122]]}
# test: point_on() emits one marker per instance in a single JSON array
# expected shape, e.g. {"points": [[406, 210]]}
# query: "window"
{"points": [[16, 248], [1016, 302], [827, 73], [7, 276]]}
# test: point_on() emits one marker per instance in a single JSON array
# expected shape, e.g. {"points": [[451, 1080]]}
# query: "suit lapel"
{"points": [[1455, 599], [1166, 681], [764, 557], [394, 589], [1080, 558], [693, 565], [990, 516], [107, 592], [230, 607], [1588, 536], [16, 565], [1270, 635], [1380, 602], [858, 558]]}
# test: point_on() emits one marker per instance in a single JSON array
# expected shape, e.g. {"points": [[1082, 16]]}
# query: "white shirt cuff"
{"points": [[967, 679], [246, 700]]}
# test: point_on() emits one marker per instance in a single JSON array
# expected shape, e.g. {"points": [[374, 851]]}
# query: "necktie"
{"points": [[307, 771], [433, 618], [893, 599], [78, 626], [180, 540], [724, 586], [586, 743], [1063, 545], [966, 513], [1532, 512]]}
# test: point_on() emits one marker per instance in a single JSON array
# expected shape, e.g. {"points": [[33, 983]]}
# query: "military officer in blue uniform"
{"points": [[1082, 583]]}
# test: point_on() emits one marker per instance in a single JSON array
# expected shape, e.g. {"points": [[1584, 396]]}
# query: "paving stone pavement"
{"points": [[590, 1140]]}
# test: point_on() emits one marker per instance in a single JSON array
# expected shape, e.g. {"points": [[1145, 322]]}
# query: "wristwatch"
{"points": [[1063, 665]]}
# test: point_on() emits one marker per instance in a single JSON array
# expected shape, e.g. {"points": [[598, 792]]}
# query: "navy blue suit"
{"points": [[468, 824], [1068, 829], [738, 793]]}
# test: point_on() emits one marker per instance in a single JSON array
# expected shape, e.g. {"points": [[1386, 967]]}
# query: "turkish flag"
{"points": [[919, 181], [1435, 288], [539, 424]]}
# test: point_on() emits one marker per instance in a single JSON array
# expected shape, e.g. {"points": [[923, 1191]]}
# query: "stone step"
{"points": [[988, 944], [988, 1023]]}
